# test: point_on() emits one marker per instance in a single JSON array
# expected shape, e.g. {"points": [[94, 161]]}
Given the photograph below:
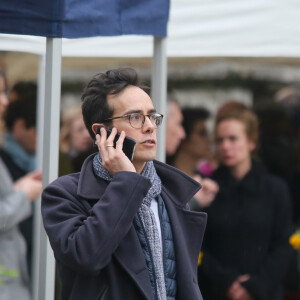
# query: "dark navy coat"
{"points": [[248, 232], [89, 224]]}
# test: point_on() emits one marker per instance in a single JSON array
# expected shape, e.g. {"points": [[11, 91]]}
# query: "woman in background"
{"points": [[246, 247], [15, 206], [75, 141], [194, 155]]}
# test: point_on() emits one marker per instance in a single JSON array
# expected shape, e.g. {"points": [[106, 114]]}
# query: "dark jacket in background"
{"points": [[248, 228], [99, 256]]}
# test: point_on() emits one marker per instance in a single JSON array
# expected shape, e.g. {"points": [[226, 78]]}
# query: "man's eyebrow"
{"points": [[137, 111]]}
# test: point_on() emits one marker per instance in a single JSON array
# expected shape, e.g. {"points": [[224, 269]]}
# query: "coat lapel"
{"points": [[188, 229], [129, 252], [131, 257]]}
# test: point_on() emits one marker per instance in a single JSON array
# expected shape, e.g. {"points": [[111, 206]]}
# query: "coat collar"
{"points": [[177, 187], [90, 186], [177, 184]]}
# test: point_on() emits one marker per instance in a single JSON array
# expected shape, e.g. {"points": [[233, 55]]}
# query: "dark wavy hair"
{"points": [[191, 115], [95, 107], [23, 108]]}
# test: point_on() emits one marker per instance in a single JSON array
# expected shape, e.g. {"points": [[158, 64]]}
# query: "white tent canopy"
{"points": [[247, 28]]}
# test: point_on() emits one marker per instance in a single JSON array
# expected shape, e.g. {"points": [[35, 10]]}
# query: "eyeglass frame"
{"points": [[134, 113]]}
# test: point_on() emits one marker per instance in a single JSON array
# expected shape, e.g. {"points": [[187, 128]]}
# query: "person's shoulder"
{"points": [[277, 192], [271, 182], [270, 178], [275, 182], [65, 182], [72, 177]]}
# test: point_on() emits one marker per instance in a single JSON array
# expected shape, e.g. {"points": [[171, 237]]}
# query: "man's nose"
{"points": [[148, 125]]}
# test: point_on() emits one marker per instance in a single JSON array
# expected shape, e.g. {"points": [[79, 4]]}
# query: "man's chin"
{"points": [[145, 157]]}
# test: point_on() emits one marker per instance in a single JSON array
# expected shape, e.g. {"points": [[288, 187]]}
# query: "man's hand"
{"points": [[114, 160], [208, 192], [237, 291], [31, 184]]}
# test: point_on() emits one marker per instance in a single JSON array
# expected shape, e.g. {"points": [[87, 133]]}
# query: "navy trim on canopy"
{"points": [[84, 18]]}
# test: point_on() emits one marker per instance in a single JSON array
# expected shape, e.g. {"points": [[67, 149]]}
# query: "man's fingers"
{"points": [[119, 145], [98, 139], [111, 137], [101, 140], [103, 135]]}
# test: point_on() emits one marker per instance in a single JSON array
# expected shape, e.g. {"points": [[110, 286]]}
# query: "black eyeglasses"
{"points": [[137, 120]]}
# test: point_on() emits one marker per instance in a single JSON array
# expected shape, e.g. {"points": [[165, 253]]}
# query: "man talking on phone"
{"points": [[121, 229]]}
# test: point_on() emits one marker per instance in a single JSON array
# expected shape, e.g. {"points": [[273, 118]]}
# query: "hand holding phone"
{"points": [[128, 144]]}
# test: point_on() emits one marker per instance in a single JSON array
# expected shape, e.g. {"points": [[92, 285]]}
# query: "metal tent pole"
{"points": [[159, 90], [37, 205], [51, 116]]}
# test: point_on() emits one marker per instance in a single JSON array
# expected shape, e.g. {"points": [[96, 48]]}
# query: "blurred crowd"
{"points": [[21, 181], [249, 171], [248, 167]]}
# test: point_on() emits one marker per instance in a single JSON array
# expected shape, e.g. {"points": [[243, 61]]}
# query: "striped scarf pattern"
{"points": [[146, 216]]}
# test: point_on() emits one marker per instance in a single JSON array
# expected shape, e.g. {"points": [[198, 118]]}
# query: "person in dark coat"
{"points": [[121, 229], [246, 248]]}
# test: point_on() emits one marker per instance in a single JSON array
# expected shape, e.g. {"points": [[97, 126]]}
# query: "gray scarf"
{"points": [[146, 215]]}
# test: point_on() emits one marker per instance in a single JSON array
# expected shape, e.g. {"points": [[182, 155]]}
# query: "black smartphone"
{"points": [[128, 144]]}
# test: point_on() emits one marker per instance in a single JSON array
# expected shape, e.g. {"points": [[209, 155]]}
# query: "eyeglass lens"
{"points": [[138, 120]]}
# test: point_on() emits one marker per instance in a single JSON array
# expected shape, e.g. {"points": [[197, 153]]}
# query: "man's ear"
{"points": [[95, 127]]}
